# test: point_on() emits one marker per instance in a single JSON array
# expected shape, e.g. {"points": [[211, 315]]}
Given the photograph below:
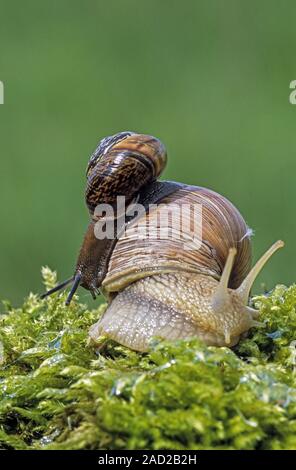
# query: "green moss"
{"points": [[56, 392]]}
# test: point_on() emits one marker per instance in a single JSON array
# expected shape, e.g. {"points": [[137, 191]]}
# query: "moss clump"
{"points": [[58, 393]]}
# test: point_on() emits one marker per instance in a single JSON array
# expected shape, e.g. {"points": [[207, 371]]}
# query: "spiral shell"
{"points": [[121, 165], [222, 228]]}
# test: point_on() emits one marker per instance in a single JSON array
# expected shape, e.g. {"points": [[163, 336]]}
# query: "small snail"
{"points": [[156, 286]]}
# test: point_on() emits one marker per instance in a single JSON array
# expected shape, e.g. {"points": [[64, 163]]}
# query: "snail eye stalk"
{"points": [[244, 289], [57, 288], [220, 298], [74, 288], [76, 281]]}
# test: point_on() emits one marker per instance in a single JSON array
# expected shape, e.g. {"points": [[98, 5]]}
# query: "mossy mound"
{"points": [[56, 392]]}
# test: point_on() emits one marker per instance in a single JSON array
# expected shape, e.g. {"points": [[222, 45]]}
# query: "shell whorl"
{"points": [[121, 165], [223, 227]]}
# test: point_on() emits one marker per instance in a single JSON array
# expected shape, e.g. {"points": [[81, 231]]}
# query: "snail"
{"points": [[155, 285]]}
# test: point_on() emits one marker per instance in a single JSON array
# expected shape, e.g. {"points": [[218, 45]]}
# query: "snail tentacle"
{"points": [[57, 288], [221, 296], [74, 288], [244, 289]]}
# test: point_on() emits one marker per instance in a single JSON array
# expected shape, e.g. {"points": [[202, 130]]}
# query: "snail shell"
{"points": [[121, 165], [223, 227]]}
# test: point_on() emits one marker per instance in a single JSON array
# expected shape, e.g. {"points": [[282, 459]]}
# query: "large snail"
{"points": [[155, 285]]}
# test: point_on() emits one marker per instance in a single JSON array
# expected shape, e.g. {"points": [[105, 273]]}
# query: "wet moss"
{"points": [[56, 392]]}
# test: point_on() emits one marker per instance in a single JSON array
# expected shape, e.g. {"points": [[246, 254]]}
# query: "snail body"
{"points": [[192, 283]]}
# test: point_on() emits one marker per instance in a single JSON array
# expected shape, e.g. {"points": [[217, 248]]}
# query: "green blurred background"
{"points": [[209, 78]]}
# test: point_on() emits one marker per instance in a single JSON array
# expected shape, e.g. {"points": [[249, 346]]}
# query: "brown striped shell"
{"points": [[121, 166], [223, 227]]}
